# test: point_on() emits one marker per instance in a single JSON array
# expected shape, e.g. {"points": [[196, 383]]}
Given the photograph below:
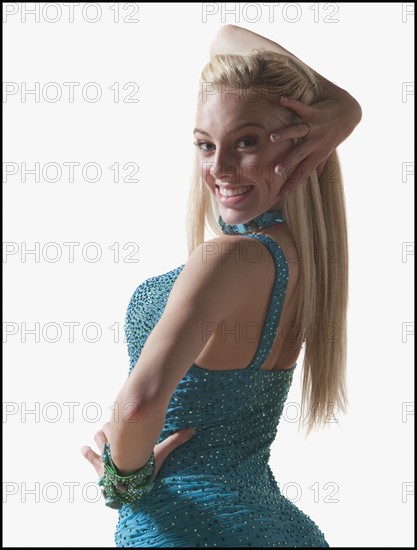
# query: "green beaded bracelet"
{"points": [[121, 490]]}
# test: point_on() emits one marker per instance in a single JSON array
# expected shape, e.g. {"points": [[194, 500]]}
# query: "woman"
{"points": [[238, 312]]}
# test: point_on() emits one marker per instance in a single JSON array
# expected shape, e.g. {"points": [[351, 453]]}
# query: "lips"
{"points": [[232, 200], [241, 190]]}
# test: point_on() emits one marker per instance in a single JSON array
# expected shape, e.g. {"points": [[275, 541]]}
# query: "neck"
{"points": [[266, 219]]}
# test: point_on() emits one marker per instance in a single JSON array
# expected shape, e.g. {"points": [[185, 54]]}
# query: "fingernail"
{"points": [[191, 432], [275, 137]]}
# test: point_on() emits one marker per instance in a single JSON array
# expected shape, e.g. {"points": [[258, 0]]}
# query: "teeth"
{"points": [[234, 192]]}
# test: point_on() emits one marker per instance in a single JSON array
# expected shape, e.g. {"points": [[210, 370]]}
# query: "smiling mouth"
{"points": [[233, 191], [233, 196]]}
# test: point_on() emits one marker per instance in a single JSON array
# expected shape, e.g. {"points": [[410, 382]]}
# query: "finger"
{"points": [[173, 441], [294, 157], [299, 107], [92, 457], [100, 439], [106, 430], [297, 177], [291, 132], [320, 167], [163, 449]]}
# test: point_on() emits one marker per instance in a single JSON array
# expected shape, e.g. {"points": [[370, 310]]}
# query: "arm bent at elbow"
{"points": [[209, 287], [237, 40]]}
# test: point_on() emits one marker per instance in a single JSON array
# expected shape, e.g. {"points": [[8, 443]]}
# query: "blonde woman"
{"points": [[213, 343]]}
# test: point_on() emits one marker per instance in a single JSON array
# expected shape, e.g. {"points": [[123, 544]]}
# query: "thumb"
{"points": [[190, 432], [320, 167], [179, 438], [163, 449]]}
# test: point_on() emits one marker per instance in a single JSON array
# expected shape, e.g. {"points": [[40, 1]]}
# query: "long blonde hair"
{"points": [[315, 214]]}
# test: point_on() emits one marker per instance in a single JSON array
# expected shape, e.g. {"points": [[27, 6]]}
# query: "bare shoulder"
{"points": [[229, 256], [221, 271]]}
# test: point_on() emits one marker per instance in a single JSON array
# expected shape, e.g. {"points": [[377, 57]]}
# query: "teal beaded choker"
{"points": [[265, 219]]}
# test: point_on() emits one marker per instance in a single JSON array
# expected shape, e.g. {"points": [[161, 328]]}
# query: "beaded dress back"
{"points": [[218, 489]]}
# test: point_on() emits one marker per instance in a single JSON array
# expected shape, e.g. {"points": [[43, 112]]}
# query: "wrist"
{"points": [[119, 490], [352, 107], [330, 92]]}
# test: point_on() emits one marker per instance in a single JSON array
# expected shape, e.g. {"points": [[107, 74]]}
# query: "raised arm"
{"points": [[233, 39], [325, 124]]}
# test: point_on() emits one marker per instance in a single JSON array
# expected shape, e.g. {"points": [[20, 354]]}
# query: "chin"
{"points": [[233, 217]]}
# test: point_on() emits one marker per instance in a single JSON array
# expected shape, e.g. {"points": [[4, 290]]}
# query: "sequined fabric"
{"points": [[217, 489]]}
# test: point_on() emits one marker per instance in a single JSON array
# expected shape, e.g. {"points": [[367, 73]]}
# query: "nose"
{"points": [[222, 171], [223, 167]]}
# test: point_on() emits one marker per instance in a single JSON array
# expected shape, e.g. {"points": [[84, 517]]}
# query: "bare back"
{"points": [[234, 344]]}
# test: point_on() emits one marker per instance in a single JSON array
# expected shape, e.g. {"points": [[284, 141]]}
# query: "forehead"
{"points": [[224, 109]]}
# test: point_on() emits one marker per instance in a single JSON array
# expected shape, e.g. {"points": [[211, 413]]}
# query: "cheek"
{"points": [[274, 156], [206, 173], [260, 168], [276, 151]]}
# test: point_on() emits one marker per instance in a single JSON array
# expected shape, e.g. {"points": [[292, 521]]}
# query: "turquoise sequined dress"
{"points": [[217, 489]]}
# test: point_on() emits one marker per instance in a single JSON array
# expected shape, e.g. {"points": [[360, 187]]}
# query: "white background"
{"points": [[367, 49]]}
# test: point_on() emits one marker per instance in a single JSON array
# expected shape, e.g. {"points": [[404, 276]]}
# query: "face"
{"points": [[235, 152]]}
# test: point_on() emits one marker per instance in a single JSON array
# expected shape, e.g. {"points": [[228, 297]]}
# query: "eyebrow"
{"points": [[234, 129]]}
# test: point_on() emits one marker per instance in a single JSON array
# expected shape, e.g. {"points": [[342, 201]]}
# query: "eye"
{"points": [[248, 141], [200, 143], [242, 143]]}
